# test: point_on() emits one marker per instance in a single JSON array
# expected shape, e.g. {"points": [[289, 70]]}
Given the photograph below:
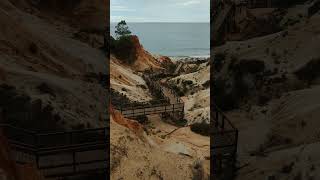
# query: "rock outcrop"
{"points": [[144, 60], [130, 51]]}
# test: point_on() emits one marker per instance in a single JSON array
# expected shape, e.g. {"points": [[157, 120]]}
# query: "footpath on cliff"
{"points": [[171, 156]]}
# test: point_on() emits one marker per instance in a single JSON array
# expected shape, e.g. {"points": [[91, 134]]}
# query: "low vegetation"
{"points": [[118, 99], [202, 128], [206, 84], [123, 49]]}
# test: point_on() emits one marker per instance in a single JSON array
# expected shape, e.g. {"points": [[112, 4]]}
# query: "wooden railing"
{"points": [[60, 154]]}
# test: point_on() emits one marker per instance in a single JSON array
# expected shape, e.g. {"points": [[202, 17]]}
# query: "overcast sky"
{"points": [[160, 10]]}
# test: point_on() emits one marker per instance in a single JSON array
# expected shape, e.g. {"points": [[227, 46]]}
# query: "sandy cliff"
{"points": [[271, 90], [144, 60], [125, 80], [49, 72], [34, 51], [195, 86]]}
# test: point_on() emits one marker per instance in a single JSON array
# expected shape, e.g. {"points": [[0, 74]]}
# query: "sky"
{"points": [[160, 10]]}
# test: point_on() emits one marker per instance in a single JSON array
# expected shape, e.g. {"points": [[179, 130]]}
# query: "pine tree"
{"points": [[122, 29]]}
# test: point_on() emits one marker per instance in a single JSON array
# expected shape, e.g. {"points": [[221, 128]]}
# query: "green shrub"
{"points": [[178, 90], [171, 67], [122, 29], [202, 128], [206, 84], [123, 48], [187, 82], [181, 122]]}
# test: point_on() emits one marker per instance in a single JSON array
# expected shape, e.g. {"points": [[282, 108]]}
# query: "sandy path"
{"points": [[181, 141]]}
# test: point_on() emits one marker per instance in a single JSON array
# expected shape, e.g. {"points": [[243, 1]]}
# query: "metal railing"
{"points": [[60, 154], [224, 143], [151, 109], [220, 120]]}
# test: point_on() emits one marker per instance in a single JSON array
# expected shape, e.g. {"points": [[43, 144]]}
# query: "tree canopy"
{"points": [[122, 29]]}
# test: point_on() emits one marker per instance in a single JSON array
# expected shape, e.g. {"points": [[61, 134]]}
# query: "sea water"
{"points": [[172, 39]]}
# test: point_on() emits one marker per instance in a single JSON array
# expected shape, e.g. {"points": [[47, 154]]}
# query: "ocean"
{"points": [[172, 39]]}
